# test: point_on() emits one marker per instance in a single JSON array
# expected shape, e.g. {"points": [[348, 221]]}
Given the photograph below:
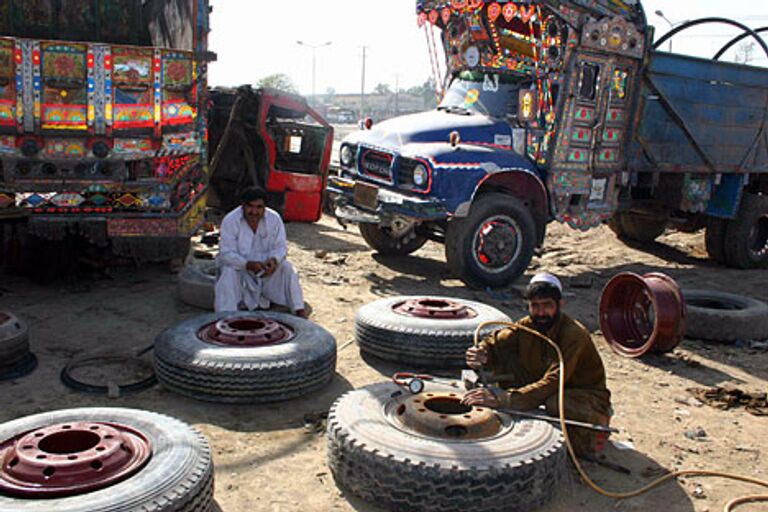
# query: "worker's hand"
{"points": [[480, 397], [270, 266], [254, 266], [476, 357]]}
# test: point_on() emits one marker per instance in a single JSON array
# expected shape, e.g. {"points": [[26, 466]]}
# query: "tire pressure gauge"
{"points": [[416, 385], [413, 383]]}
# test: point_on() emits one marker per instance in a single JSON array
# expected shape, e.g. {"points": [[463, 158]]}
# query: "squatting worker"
{"points": [[526, 367], [253, 270]]}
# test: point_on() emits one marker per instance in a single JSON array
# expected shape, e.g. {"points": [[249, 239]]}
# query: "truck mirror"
{"points": [[527, 109]]}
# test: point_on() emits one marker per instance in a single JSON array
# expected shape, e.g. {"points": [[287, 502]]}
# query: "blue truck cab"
{"points": [[561, 111]]}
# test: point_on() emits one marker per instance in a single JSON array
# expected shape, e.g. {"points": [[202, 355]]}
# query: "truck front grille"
{"points": [[377, 164]]}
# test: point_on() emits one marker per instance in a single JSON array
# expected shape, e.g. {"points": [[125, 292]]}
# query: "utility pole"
{"points": [[314, 48], [362, 86], [660, 14]]}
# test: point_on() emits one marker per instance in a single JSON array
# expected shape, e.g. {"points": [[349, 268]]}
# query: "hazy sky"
{"points": [[255, 38]]}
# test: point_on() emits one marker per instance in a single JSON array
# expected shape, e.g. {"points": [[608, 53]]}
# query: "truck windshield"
{"points": [[494, 95]]}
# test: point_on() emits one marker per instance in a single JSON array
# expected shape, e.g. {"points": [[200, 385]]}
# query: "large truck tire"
{"points": [[746, 239], [178, 477], [381, 240], [15, 358], [714, 239], [373, 456], [391, 330], [235, 361], [641, 228], [494, 244], [196, 285], [725, 317]]}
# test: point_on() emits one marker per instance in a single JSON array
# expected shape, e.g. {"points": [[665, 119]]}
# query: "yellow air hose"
{"points": [[623, 495]]}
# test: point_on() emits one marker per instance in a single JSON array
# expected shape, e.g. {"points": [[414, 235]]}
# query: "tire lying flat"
{"points": [[178, 476], [196, 285], [727, 317], [190, 366], [518, 470], [417, 341]]}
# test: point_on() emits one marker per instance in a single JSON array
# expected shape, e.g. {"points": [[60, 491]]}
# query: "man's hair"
{"points": [[253, 194], [542, 290]]}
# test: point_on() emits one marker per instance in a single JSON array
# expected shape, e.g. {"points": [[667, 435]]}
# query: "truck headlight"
{"points": [[347, 156], [420, 175]]}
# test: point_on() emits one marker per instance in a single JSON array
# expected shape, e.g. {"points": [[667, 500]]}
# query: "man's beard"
{"points": [[545, 323]]}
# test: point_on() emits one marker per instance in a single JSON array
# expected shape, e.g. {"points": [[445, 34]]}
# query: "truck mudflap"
{"points": [[358, 201]]}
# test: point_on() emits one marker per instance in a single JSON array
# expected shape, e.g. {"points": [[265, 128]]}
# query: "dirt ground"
{"points": [[269, 458]]}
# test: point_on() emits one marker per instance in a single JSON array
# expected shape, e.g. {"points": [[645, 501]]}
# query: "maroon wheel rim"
{"points": [[639, 314], [246, 332], [70, 459], [426, 307]]}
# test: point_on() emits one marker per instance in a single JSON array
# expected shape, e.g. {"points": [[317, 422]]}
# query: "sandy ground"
{"points": [[267, 457]]}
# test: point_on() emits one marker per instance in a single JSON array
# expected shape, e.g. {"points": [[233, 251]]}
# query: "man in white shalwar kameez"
{"points": [[253, 269]]}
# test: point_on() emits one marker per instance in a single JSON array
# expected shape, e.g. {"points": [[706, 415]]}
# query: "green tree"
{"points": [[382, 89], [279, 81]]}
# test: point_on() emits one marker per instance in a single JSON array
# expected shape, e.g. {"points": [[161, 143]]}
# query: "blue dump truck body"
{"points": [[563, 111]]}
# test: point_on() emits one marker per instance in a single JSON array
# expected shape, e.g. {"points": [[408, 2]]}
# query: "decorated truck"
{"points": [[105, 119], [563, 111]]}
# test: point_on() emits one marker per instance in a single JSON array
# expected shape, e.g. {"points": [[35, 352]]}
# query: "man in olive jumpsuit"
{"points": [[527, 371]]}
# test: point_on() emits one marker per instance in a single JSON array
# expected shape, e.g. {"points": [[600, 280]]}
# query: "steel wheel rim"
{"points": [[758, 238], [246, 332], [497, 243]]}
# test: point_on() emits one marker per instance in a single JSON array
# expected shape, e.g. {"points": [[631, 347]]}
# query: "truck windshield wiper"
{"points": [[455, 109]]}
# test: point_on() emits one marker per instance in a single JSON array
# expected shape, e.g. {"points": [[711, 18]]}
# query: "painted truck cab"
{"points": [[532, 126]]}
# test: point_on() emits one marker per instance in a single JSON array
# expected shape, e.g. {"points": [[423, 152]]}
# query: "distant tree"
{"points": [[330, 95], [427, 93], [745, 52], [279, 81], [382, 89]]}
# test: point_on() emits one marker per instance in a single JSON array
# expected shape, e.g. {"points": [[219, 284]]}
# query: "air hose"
{"points": [[630, 494]]}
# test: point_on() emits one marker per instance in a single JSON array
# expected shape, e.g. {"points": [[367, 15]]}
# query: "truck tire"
{"points": [[640, 228], [178, 476], [517, 470], [503, 224], [416, 340], [746, 239], [218, 372], [381, 240], [15, 358], [725, 317], [715, 239], [196, 285]]}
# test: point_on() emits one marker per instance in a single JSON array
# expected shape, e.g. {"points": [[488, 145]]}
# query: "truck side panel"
{"points": [[702, 116]]}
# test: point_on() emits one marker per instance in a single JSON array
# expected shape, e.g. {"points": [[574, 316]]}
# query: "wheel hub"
{"points": [[70, 459], [246, 332], [434, 308], [442, 415], [758, 237], [497, 242]]}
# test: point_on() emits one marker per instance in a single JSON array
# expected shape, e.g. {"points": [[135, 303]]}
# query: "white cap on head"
{"points": [[545, 277]]}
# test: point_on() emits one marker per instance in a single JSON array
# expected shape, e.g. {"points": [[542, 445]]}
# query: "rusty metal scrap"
{"points": [[731, 397]]}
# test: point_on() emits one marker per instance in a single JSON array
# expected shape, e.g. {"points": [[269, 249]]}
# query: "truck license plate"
{"points": [[366, 196]]}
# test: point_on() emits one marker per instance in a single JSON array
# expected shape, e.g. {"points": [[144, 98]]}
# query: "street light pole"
{"points": [[314, 48], [660, 14]]}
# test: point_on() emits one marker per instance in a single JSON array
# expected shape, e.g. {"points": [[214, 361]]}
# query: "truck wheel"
{"points": [[429, 453], [715, 239], [177, 476], [719, 316], [246, 357], [14, 340], [196, 285], [747, 237], [641, 228], [384, 243], [494, 244], [422, 331]]}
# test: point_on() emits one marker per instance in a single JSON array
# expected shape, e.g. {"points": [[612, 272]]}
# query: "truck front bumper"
{"points": [[358, 201]]}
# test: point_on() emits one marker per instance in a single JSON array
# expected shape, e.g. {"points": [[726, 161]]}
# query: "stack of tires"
{"points": [[196, 284], [104, 460], [430, 332], [245, 357], [15, 358]]}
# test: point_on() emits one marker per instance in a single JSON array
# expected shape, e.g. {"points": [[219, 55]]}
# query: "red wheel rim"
{"points": [[70, 459], [639, 314], [426, 307], [246, 332]]}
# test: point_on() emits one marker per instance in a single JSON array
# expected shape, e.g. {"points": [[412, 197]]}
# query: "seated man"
{"points": [[252, 265], [527, 367]]}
